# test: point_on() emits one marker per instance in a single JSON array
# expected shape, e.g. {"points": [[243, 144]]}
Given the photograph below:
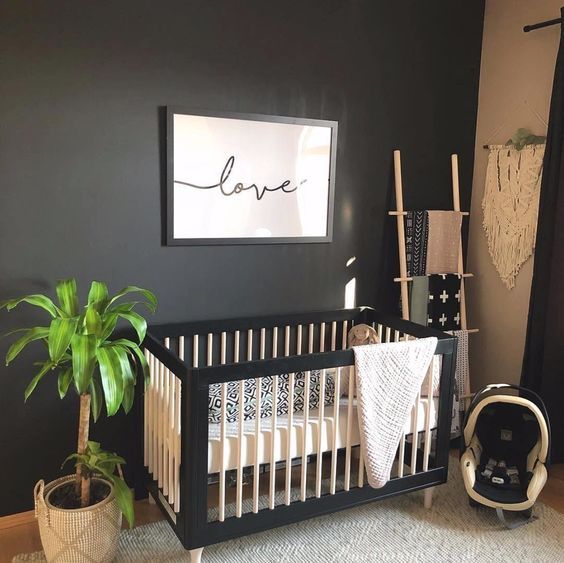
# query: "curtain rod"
{"points": [[540, 25]]}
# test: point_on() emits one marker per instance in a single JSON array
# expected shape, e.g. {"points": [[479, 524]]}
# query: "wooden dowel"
{"points": [[401, 235], [335, 430], [456, 205]]}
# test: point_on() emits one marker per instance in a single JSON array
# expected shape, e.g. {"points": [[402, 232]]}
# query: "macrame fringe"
{"points": [[510, 206]]}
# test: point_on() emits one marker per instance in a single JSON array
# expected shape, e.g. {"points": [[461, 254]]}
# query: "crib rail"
{"points": [[292, 463]]}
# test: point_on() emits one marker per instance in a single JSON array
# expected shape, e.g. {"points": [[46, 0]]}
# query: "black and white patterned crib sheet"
{"points": [[266, 392]]}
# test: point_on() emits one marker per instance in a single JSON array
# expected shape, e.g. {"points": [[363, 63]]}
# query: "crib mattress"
{"points": [[280, 435]]}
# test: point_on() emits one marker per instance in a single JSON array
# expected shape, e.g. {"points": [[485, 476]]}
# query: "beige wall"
{"points": [[516, 79]]}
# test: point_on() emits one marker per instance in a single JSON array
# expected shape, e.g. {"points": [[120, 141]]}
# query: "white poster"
{"points": [[249, 179]]}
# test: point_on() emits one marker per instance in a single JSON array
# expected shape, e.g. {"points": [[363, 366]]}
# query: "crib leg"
{"points": [[196, 555], [428, 498], [151, 499]]}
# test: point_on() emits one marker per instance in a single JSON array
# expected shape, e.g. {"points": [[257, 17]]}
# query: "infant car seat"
{"points": [[505, 449]]}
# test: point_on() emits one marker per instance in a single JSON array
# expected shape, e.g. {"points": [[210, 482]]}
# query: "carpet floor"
{"points": [[397, 529]]}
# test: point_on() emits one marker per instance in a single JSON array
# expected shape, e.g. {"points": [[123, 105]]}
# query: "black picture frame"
{"points": [[171, 111]]}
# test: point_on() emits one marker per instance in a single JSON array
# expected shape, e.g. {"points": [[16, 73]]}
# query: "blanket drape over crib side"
{"points": [[388, 378]]}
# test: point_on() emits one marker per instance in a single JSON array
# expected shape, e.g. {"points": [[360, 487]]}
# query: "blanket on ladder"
{"points": [[388, 378]]}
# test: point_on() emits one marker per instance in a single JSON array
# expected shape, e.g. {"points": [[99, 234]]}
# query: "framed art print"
{"points": [[249, 179]]}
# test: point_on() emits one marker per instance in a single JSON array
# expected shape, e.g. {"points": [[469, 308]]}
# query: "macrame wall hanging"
{"points": [[510, 204]]}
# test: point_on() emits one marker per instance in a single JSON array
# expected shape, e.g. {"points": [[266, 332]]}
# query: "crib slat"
{"points": [[172, 438], [350, 399], [335, 431], [249, 344], [195, 345], [168, 414], [427, 446], [164, 414], [262, 342], [401, 447], [256, 470], [209, 358], [290, 422], [222, 430], [153, 458], [145, 420], [156, 371], [290, 427], [318, 470], [333, 335], [345, 335], [388, 334], [240, 434], [414, 434], [303, 483], [322, 337], [149, 413], [160, 448], [177, 431], [379, 330], [299, 341], [272, 487], [310, 335]]}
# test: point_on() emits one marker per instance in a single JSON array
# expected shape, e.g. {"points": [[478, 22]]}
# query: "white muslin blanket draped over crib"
{"points": [[388, 378]]}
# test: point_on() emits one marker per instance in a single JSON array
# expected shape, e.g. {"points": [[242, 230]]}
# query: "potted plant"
{"points": [[80, 515]]}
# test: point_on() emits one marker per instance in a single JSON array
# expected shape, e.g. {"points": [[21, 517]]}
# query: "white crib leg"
{"points": [[151, 499], [196, 555], [428, 498]]}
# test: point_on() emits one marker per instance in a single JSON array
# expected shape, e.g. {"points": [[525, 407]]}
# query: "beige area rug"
{"points": [[397, 529]]}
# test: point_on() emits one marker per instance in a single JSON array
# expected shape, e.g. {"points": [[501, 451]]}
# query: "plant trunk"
{"points": [[83, 480]]}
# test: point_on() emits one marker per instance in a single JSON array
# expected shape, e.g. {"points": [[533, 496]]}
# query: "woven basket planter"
{"points": [[77, 536]]}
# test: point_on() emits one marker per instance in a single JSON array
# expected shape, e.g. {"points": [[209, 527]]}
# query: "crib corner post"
{"points": [[428, 498], [196, 555]]}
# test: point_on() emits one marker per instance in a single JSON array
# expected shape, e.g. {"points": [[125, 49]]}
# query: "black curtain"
{"points": [[543, 361]]}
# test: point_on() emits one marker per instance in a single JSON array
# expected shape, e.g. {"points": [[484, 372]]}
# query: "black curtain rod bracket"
{"points": [[546, 23]]}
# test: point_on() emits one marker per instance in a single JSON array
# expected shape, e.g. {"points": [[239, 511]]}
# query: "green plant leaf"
{"points": [[112, 379], [93, 322], [75, 457], [60, 335], [31, 335], [96, 398], [98, 296], [124, 499], [124, 307], [13, 332], [65, 378], [151, 303], [137, 322], [93, 447], [68, 297], [37, 300], [47, 366], [109, 321], [128, 378], [83, 360], [134, 347]]}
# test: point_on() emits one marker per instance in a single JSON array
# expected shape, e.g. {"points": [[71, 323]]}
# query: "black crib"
{"points": [[224, 476]]}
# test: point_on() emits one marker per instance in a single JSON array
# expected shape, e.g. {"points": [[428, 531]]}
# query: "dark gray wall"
{"points": [[81, 85]]}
